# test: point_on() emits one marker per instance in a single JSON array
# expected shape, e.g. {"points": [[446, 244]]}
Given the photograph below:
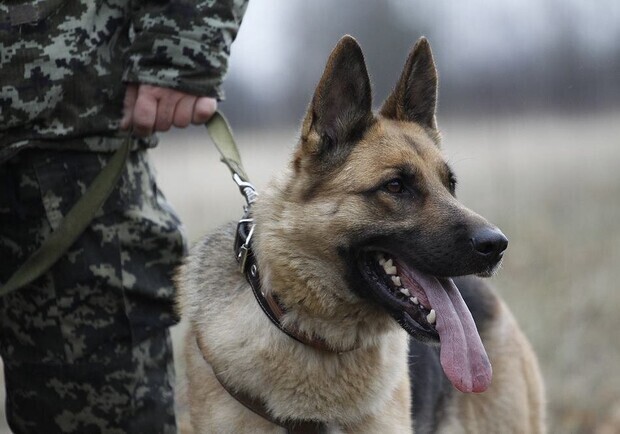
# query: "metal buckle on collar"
{"points": [[242, 247]]}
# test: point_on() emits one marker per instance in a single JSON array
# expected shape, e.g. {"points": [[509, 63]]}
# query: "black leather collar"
{"points": [[266, 300]]}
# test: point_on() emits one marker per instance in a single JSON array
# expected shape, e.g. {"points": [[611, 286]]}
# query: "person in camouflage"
{"points": [[86, 347]]}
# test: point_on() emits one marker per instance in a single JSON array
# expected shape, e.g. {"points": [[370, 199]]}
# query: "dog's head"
{"points": [[374, 199]]}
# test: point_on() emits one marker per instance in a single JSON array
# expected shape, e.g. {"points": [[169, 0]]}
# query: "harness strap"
{"points": [[258, 406], [74, 223]]}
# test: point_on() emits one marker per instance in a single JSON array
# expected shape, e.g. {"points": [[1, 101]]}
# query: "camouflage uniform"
{"points": [[86, 347]]}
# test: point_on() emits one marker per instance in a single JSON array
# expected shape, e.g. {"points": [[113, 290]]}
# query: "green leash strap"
{"points": [[74, 223], [222, 137]]}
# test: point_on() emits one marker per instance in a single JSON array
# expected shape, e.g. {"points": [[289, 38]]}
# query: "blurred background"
{"points": [[529, 109]]}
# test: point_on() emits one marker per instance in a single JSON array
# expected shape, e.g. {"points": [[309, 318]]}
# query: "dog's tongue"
{"points": [[463, 357]]}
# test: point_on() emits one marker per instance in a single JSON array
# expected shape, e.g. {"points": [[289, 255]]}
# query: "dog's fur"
{"points": [[337, 199]]}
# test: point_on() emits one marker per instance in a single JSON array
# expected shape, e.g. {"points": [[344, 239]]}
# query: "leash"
{"points": [[82, 213]]}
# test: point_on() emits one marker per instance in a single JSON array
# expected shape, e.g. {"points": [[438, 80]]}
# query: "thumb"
{"points": [[204, 108]]}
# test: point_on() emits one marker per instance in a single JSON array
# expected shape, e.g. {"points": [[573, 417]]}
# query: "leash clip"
{"points": [[247, 189], [245, 226]]}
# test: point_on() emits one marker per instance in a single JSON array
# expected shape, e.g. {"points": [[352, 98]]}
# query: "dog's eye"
{"points": [[395, 186], [452, 183]]}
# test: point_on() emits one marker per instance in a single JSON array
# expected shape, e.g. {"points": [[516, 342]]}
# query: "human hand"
{"points": [[148, 109]]}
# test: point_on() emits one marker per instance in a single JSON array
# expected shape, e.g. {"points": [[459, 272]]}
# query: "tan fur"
{"points": [[301, 220]]}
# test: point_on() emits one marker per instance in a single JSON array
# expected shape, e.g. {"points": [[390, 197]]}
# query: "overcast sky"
{"points": [[519, 53], [476, 33]]}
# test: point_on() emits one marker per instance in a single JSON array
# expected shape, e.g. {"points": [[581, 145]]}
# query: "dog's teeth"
{"points": [[405, 291], [389, 267], [414, 300], [381, 260], [389, 270], [396, 280], [431, 317]]}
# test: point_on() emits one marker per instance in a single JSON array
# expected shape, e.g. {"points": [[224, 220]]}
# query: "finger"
{"points": [[131, 93], [166, 107], [184, 111], [204, 109], [144, 112]]}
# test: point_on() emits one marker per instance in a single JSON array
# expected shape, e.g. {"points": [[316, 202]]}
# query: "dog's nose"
{"points": [[489, 242]]}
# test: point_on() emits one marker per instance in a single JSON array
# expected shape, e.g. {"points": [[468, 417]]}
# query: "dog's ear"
{"points": [[340, 110], [414, 98]]}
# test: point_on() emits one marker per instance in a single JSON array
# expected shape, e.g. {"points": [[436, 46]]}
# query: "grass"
{"points": [[551, 183]]}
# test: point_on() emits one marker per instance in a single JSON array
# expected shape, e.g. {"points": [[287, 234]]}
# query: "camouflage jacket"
{"points": [[63, 63]]}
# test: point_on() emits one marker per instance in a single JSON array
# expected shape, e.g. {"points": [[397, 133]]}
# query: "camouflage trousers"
{"points": [[86, 347]]}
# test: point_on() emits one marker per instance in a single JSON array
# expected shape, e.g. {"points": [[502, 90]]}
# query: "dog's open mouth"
{"points": [[431, 308]]}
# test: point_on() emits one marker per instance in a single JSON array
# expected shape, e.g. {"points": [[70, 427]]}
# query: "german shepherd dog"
{"points": [[366, 249]]}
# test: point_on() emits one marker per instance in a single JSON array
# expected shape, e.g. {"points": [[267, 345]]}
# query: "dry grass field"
{"points": [[551, 183]]}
